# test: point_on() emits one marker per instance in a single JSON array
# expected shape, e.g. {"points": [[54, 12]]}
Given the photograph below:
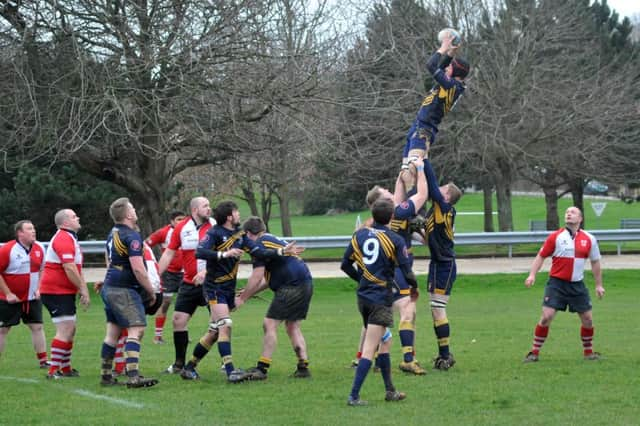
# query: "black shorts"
{"points": [[375, 314], [29, 312], [558, 294], [61, 307], [189, 298], [291, 303], [171, 282], [123, 307]]}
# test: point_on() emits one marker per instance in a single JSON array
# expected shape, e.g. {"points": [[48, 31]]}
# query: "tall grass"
{"points": [[492, 319]]}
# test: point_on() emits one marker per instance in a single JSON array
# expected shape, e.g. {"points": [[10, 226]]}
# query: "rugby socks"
{"points": [[108, 354], [264, 364], [57, 353], [539, 336], [224, 348], [132, 352], [42, 358], [160, 320], [121, 361], [406, 332], [180, 343], [65, 359], [361, 373], [384, 362], [587, 340], [200, 351], [442, 330]]}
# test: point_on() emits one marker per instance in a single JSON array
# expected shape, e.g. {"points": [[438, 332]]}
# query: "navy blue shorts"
{"points": [[375, 314], [419, 138], [224, 294], [441, 277], [123, 306]]}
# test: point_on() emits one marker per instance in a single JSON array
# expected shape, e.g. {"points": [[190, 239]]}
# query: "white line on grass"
{"points": [[108, 398], [82, 392], [18, 379]]}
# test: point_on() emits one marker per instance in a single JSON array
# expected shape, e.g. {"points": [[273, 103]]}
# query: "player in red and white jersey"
{"points": [[21, 262], [186, 236], [570, 248], [172, 277], [61, 280]]}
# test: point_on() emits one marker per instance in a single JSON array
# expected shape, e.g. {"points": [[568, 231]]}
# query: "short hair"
{"points": [[195, 202], [460, 68], [60, 217], [454, 193], [224, 210], [20, 224], [373, 194], [382, 211], [118, 209], [254, 224], [176, 213]]}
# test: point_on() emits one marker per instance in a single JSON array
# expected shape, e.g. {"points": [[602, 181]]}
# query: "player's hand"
{"points": [[239, 301], [85, 300], [12, 298], [233, 252], [599, 291], [414, 294], [292, 249], [531, 279], [97, 286], [199, 278], [153, 298]]}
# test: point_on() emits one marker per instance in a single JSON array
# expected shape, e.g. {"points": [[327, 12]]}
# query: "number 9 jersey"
{"points": [[376, 251]]}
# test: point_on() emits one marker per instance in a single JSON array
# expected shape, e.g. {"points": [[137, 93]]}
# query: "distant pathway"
{"points": [[465, 266]]}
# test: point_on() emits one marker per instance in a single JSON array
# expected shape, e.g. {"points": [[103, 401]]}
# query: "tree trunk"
{"points": [[551, 200], [503, 196], [487, 195], [285, 215], [250, 197], [576, 186]]}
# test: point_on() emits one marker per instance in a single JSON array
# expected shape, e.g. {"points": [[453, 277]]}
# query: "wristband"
{"points": [[420, 168], [280, 252]]}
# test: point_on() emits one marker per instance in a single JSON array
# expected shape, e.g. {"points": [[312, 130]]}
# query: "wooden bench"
{"points": [[629, 223], [537, 225]]}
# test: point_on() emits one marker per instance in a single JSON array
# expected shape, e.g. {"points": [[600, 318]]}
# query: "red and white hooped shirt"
{"points": [[21, 269], [570, 253], [186, 237], [63, 248]]}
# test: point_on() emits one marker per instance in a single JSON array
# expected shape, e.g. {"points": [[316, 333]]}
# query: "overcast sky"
{"points": [[628, 8]]}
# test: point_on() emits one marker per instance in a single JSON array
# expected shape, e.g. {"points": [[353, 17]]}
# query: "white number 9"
{"points": [[371, 250]]}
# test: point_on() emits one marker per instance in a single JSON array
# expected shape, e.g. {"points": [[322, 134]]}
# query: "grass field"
{"points": [[492, 319]]}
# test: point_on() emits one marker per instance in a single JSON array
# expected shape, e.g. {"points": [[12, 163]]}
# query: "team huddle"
{"points": [[200, 260]]}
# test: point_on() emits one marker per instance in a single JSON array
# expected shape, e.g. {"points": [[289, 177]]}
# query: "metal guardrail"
{"points": [[472, 238]]}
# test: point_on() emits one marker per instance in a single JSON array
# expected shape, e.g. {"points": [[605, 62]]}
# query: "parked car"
{"points": [[593, 187]]}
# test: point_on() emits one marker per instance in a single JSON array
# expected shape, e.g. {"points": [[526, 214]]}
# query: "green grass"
{"points": [[492, 319]]}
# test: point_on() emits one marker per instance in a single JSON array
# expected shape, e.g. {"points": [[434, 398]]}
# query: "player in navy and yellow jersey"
{"points": [[404, 213], [290, 280], [124, 284], [221, 248], [449, 73], [376, 251], [442, 267]]}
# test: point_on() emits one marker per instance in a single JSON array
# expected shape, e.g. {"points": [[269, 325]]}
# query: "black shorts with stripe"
{"points": [[291, 303], [171, 282], [29, 312]]}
